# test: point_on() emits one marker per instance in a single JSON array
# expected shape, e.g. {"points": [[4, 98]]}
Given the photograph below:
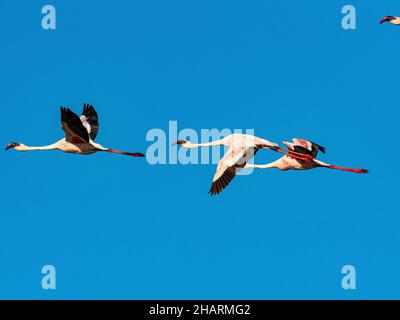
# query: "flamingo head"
{"points": [[179, 142], [387, 19], [13, 145]]}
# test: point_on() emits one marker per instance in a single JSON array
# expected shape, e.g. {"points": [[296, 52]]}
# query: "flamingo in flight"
{"points": [[80, 133], [302, 146], [392, 19], [241, 148]]}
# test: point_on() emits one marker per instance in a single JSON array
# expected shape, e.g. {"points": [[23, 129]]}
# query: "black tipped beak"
{"points": [[12, 145], [178, 142], [385, 19]]}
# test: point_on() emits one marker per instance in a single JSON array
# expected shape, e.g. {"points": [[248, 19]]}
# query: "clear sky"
{"points": [[117, 227]]}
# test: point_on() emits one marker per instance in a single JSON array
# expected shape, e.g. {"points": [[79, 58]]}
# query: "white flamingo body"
{"points": [[80, 133], [289, 162], [242, 148]]}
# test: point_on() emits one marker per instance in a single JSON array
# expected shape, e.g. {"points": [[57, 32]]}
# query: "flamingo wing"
{"points": [[74, 130], [231, 163], [90, 120], [222, 182], [307, 147]]}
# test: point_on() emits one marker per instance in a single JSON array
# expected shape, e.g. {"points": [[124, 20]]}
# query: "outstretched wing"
{"points": [[90, 120], [222, 182], [74, 130], [231, 163], [307, 147]]}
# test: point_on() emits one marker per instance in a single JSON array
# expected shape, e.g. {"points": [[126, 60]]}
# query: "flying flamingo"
{"points": [[79, 135], [392, 19], [242, 148], [288, 162]]}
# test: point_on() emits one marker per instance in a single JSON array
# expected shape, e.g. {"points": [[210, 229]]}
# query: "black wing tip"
{"points": [[219, 185], [87, 105], [64, 112], [65, 109], [90, 112], [320, 148], [88, 108], [213, 191]]}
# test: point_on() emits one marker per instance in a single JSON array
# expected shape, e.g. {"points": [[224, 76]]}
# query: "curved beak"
{"points": [[178, 142], [385, 19]]}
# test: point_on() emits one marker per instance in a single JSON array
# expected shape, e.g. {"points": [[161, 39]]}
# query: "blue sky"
{"points": [[118, 228]]}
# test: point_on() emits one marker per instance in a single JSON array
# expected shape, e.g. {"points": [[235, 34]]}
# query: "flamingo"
{"points": [[242, 148], [79, 135], [288, 162], [392, 19]]}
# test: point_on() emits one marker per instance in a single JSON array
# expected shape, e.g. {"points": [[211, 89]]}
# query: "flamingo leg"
{"points": [[132, 154], [348, 169]]}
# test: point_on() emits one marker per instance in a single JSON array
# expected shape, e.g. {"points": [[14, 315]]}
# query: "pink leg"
{"points": [[132, 154], [348, 169]]}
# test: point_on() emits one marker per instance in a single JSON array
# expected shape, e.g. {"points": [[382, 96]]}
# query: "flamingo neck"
{"points": [[23, 147], [271, 165], [207, 144]]}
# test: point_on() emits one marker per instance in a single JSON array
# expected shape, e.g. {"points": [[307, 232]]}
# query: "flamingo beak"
{"points": [[178, 142], [385, 19], [10, 145]]}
